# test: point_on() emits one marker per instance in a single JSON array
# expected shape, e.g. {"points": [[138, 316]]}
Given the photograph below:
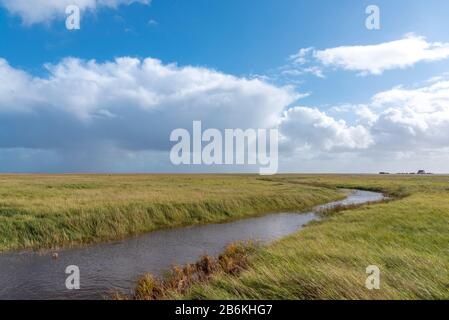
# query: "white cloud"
{"points": [[304, 126], [413, 119], [127, 104], [372, 59], [302, 56], [401, 130], [427, 98], [38, 11], [152, 23], [299, 64], [375, 59], [295, 71], [119, 114]]}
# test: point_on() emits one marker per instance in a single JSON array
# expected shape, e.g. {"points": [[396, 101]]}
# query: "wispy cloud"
{"points": [[45, 11], [152, 23], [373, 59]]}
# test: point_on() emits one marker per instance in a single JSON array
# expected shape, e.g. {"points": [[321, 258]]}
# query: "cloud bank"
{"points": [[118, 116], [305, 127], [397, 127], [127, 105]]}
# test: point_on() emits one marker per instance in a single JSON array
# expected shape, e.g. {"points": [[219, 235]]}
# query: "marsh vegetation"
{"points": [[408, 239], [48, 211]]}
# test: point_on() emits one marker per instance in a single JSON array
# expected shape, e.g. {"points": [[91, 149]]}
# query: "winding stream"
{"points": [[117, 265]]}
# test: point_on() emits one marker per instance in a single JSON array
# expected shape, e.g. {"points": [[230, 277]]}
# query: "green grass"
{"points": [[408, 239], [48, 211]]}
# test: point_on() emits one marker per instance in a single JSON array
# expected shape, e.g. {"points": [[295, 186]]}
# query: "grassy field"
{"points": [[47, 211], [408, 239]]}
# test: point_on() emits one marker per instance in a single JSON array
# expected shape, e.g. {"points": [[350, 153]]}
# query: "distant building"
{"points": [[420, 172]]}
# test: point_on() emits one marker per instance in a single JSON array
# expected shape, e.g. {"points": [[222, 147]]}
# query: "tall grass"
{"points": [[408, 239], [179, 279], [47, 211]]}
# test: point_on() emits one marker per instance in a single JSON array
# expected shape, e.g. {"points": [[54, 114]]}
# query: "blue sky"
{"points": [[246, 39], [236, 37]]}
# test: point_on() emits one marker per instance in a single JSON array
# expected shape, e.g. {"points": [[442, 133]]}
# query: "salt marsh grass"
{"points": [[48, 211], [408, 239]]}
